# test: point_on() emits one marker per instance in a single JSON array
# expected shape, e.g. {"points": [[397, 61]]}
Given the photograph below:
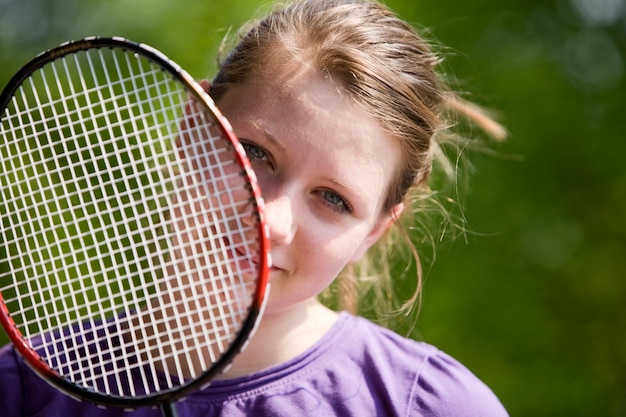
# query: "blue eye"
{"points": [[335, 201], [253, 151]]}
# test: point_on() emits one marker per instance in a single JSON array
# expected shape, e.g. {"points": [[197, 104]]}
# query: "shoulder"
{"points": [[23, 393], [11, 389], [440, 385], [444, 387]]}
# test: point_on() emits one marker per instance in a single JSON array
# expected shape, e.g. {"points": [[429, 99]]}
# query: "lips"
{"points": [[243, 261], [247, 260]]}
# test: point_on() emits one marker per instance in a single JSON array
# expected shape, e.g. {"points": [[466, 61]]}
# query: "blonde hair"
{"points": [[389, 70]]}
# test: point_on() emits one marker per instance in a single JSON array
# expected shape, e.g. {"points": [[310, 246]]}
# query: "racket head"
{"points": [[135, 256]]}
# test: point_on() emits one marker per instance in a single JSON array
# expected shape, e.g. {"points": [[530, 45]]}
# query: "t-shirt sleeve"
{"points": [[445, 388], [23, 394], [11, 396]]}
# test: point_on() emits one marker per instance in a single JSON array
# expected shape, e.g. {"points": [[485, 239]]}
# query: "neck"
{"points": [[282, 336]]}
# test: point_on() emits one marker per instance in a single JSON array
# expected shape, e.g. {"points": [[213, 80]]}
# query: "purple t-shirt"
{"points": [[358, 369]]}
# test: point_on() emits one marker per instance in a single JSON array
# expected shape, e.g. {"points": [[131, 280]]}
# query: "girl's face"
{"points": [[324, 167]]}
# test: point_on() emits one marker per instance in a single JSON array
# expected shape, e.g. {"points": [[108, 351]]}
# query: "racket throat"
{"points": [[168, 409]]}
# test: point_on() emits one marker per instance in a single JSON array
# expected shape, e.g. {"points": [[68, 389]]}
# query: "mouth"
{"points": [[246, 259], [256, 261]]}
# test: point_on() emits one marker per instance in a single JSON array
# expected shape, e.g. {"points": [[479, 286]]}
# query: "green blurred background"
{"points": [[533, 298]]}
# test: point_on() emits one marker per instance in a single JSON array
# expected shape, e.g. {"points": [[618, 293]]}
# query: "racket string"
{"points": [[102, 318]]}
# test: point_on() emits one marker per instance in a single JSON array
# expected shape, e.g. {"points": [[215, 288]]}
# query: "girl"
{"points": [[339, 107]]}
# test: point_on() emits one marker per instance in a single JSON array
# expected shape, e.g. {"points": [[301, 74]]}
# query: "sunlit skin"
{"points": [[324, 168]]}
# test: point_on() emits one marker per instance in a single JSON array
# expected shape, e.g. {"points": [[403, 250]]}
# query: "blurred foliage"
{"points": [[532, 298]]}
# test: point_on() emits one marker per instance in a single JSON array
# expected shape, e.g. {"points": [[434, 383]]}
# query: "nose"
{"points": [[279, 219]]}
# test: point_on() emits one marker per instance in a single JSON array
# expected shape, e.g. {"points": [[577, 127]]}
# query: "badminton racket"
{"points": [[134, 257]]}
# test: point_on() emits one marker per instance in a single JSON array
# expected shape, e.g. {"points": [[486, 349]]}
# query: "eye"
{"points": [[335, 201], [255, 153]]}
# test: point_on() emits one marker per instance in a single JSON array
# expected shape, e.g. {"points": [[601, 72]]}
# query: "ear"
{"points": [[382, 225]]}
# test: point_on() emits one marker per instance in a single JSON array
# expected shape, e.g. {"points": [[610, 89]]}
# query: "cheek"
{"points": [[332, 253], [319, 260]]}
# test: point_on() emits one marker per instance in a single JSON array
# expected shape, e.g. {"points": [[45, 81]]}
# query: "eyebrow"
{"points": [[269, 136]]}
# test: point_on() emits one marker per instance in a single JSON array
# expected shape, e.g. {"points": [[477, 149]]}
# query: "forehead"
{"points": [[320, 127]]}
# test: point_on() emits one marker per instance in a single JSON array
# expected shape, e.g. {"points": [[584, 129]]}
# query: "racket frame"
{"points": [[165, 398]]}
